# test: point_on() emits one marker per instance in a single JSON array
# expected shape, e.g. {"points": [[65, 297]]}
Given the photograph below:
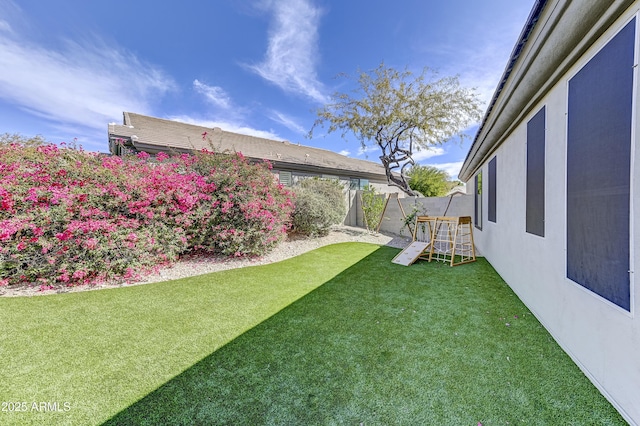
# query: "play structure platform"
{"points": [[441, 238]]}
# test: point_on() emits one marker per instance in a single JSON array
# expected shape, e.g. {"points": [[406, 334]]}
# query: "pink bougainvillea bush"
{"points": [[69, 217]]}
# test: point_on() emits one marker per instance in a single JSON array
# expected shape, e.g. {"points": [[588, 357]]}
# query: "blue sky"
{"points": [[262, 67]]}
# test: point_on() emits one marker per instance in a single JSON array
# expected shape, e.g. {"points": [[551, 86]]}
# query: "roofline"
{"points": [[127, 123], [277, 164], [534, 15]]}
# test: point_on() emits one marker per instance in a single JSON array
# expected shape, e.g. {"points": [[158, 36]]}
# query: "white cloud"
{"points": [[213, 94], [427, 153], [488, 65], [344, 152], [292, 53], [83, 83], [227, 126], [368, 149], [451, 168], [480, 59], [287, 121], [5, 26]]}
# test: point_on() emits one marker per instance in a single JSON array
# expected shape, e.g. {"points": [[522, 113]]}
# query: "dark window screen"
{"points": [[491, 214], [598, 170], [478, 201], [535, 173]]}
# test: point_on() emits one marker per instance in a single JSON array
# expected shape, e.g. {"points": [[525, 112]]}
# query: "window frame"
{"points": [[535, 177], [569, 210], [477, 202], [491, 190]]}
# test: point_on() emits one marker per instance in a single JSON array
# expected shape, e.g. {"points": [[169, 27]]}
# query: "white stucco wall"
{"points": [[393, 221], [603, 339]]}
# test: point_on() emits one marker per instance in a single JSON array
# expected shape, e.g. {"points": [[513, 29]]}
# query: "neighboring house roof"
{"points": [[557, 32], [153, 135]]}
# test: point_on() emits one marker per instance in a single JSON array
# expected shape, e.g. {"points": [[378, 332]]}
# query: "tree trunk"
{"points": [[390, 162]]}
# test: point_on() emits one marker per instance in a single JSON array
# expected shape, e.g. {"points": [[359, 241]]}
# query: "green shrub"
{"points": [[319, 204], [372, 207]]}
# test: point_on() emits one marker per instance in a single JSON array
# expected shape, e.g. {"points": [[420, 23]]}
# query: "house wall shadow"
{"points": [[382, 343]]}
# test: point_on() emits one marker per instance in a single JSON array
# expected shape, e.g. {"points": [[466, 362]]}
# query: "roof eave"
{"points": [[534, 15], [562, 31]]}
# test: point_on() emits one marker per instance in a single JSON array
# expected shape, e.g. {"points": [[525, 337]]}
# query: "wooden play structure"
{"points": [[441, 238]]}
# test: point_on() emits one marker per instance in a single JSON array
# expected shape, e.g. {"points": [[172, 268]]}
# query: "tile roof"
{"points": [[156, 134]]}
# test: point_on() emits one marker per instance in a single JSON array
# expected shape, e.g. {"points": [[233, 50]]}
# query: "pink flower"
{"points": [[91, 243], [64, 236], [79, 275], [8, 229], [6, 200], [226, 206]]}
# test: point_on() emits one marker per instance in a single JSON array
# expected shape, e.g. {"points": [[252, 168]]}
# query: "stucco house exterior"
{"points": [[557, 187], [291, 162]]}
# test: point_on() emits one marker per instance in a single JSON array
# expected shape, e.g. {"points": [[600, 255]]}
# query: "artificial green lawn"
{"points": [[339, 335]]}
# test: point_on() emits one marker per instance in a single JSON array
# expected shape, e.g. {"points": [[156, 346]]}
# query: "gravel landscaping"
{"points": [[197, 265]]}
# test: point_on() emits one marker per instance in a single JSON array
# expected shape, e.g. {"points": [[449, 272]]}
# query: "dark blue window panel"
{"points": [[477, 218], [491, 214], [535, 173], [598, 170]]}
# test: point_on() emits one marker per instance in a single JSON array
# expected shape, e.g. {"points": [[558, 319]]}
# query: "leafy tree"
{"points": [[429, 180], [401, 114]]}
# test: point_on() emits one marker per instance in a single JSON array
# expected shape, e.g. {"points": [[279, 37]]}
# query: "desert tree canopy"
{"points": [[402, 113]]}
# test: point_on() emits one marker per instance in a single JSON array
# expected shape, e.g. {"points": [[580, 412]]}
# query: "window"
{"points": [[598, 170], [285, 178], [491, 216], [478, 201], [535, 173]]}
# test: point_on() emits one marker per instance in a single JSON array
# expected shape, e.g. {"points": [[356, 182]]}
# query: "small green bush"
{"points": [[319, 203], [372, 207]]}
